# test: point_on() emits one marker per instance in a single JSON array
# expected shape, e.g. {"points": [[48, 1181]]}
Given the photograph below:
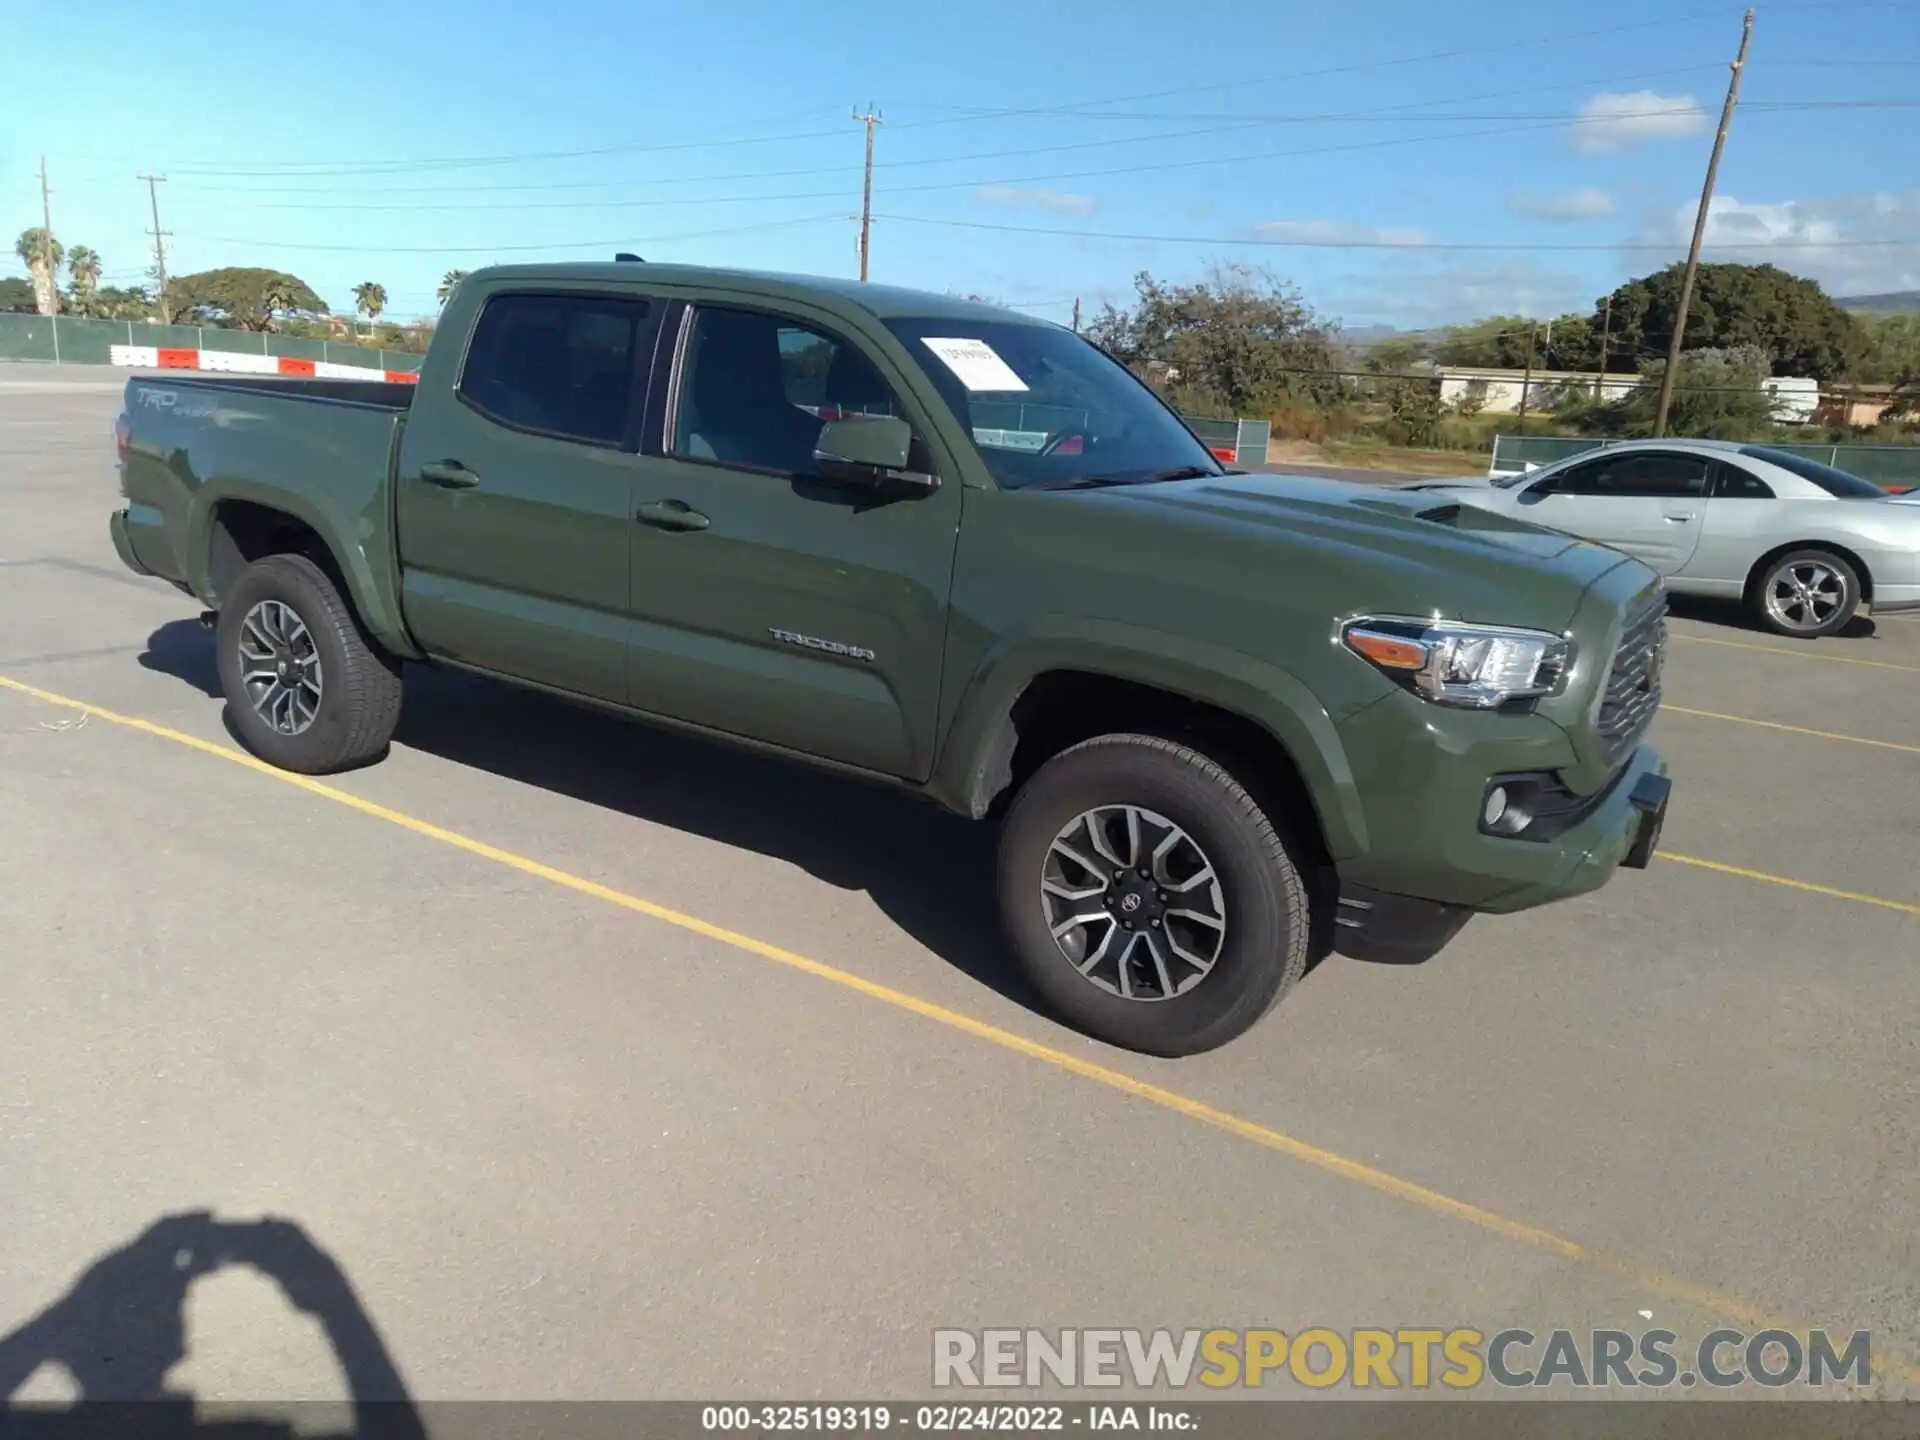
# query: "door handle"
{"points": [[670, 515], [449, 474], [1680, 517]]}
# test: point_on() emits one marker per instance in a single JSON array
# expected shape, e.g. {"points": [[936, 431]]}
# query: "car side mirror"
{"points": [[873, 450]]}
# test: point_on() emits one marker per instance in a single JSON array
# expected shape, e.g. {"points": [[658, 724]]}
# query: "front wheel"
{"points": [[305, 689], [1148, 898], [1807, 594]]}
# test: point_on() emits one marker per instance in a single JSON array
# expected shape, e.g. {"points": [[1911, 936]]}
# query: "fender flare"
{"points": [[367, 590], [978, 741]]}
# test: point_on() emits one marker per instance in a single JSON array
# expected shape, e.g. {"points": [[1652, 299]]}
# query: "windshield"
{"points": [[1834, 482], [1047, 408]]}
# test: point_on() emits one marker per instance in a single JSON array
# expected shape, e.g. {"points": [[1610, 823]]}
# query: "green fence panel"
{"points": [[88, 342], [1214, 432], [233, 342], [166, 337], [1255, 437], [353, 355], [26, 337], [298, 347], [401, 360]]}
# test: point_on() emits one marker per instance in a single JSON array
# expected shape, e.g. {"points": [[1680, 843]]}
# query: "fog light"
{"points": [[1496, 807]]}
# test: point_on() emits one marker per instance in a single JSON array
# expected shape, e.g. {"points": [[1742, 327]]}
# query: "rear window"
{"points": [[559, 365], [1834, 482]]}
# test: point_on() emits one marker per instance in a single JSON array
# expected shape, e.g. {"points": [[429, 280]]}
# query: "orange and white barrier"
{"points": [[229, 362]]}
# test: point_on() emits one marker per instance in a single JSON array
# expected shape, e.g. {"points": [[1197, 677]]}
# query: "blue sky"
{"points": [[391, 142]]}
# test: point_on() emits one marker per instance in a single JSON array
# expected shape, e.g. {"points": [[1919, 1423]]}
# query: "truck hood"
{"points": [[1414, 550]]}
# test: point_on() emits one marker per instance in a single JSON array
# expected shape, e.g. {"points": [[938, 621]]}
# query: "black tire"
{"points": [[1812, 555], [1266, 942], [360, 687]]}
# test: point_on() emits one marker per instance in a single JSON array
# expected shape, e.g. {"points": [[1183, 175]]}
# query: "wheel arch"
{"points": [[235, 527], [1847, 553], [1042, 694]]}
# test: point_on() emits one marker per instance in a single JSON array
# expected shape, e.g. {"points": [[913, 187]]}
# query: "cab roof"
{"points": [[884, 302]]}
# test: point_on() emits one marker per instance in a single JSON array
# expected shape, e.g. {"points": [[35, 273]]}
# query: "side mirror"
{"points": [[872, 450]]}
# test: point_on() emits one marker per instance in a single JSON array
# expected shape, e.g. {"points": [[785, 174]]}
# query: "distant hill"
{"points": [[1896, 303]]}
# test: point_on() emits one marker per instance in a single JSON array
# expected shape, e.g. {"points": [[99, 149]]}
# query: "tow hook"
{"points": [[209, 619]]}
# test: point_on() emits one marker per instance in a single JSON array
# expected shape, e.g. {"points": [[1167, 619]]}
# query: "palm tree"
{"points": [[448, 284], [83, 273], [370, 299], [42, 255]]}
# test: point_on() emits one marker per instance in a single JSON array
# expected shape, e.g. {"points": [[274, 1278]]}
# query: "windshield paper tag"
{"points": [[977, 363]]}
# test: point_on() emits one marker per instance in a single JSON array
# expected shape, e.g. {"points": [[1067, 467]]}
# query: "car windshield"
{"points": [[1834, 482], [1049, 409]]}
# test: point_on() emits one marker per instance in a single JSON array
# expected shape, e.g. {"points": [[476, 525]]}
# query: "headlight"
{"points": [[1478, 667]]}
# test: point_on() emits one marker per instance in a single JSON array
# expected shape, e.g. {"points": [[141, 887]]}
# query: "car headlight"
{"points": [[1476, 667]]}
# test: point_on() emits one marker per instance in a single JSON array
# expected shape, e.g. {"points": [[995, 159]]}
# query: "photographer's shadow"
{"points": [[121, 1328]]}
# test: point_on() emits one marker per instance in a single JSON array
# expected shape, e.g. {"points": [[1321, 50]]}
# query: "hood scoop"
{"points": [[1448, 514]]}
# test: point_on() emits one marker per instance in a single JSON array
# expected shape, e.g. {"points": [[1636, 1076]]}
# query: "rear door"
{"points": [[516, 491], [1649, 503], [769, 601]]}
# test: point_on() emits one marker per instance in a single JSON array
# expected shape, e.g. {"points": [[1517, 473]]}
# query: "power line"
{"points": [[1406, 110], [298, 169], [613, 244], [1361, 242]]}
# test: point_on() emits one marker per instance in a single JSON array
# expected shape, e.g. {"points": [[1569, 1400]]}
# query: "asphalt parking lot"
{"points": [[607, 1064]]}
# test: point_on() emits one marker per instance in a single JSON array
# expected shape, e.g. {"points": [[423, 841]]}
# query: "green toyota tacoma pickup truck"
{"points": [[1225, 721]]}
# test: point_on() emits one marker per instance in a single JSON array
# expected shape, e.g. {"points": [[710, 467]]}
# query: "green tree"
{"points": [[1717, 395], [42, 254], [1239, 341], [17, 296], [83, 278], [449, 282], [112, 302], [370, 300], [1498, 342], [1796, 323], [246, 299], [1896, 348]]}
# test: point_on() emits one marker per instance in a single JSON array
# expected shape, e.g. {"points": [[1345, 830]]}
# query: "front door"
{"points": [[769, 601], [516, 492], [1651, 504]]}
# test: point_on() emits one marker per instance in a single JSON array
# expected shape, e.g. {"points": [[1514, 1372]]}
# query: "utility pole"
{"points": [[159, 242], [1700, 230], [1606, 331], [870, 119], [1526, 384], [1076, 314], [46, 241]]}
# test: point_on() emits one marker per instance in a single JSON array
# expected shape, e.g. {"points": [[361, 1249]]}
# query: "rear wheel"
{"points": [[1148, 897], [1806, 593], [305, 689]]}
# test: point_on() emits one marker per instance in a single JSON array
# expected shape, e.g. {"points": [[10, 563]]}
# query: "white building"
{"points": [[1498, 391]]}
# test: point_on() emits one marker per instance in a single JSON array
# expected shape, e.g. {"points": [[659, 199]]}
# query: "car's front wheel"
{"points": [[1148, 897], [305, 689], [1806, 593]]}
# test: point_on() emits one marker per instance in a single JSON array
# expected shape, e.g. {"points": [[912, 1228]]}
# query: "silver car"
{"points": [[1801, 543]]}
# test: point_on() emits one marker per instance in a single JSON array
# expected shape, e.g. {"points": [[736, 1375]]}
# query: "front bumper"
{"points": [[1421, 773], [1623, 832]]}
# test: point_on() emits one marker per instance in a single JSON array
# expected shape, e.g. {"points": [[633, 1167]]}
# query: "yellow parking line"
{"points": [[1831, 892], [1652, 1280], [1790, 729], [1799, 654]]}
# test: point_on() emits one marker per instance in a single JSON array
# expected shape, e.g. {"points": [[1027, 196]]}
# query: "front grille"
{"points": [[1632, 695]]}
